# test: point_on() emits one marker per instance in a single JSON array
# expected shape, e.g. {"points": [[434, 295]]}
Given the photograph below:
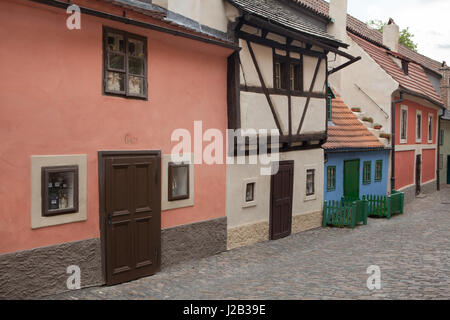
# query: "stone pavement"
{"points": [[412, 251]]}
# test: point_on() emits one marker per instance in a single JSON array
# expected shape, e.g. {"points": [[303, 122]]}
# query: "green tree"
{"points": [[405, 37]]}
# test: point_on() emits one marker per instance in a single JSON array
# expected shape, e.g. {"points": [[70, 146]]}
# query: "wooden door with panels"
{"points": [[131, 197], [282, 187]]}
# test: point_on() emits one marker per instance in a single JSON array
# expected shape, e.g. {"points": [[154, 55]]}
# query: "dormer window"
{"points": [[405, 67]]}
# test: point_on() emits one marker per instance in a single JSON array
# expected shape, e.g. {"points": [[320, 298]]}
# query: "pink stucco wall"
{"points": [[428, 165], [51, 103], [404, 169], [405, 160]]}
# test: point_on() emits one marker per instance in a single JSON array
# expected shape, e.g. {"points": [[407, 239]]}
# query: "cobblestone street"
{"points": [[412, 251]]}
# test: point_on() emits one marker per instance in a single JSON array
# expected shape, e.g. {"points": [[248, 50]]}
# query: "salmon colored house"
{"points": [[86, 118]]}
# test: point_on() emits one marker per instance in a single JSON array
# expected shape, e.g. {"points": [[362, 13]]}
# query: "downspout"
{"points": [[393, 136], [438, 157]]}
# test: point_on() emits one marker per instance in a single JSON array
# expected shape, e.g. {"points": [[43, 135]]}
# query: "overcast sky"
{"points": [[428, 20]]}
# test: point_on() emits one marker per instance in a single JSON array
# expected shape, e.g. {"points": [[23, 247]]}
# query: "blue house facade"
{"points": [[356, 161], [375, 183]]}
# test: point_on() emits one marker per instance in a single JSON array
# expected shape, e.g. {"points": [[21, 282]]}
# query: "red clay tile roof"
{"points": [[416, 80], [362, 30], [348, 132]]}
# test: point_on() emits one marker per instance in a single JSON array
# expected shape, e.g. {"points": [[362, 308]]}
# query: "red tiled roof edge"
{"points": [[348, 133], [361, 29]]}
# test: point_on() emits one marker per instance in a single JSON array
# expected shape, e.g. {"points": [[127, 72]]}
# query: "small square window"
{"points": [[250, 192], [59, 190], [367, 172], [178, 181], [288, 73], [310, 177], [125, 64], [441, 161]]}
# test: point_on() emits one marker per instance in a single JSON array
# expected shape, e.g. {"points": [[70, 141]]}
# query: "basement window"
{"points": [[59, 190], [125, 64]]}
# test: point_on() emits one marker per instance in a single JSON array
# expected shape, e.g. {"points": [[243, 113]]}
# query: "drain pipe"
{"points": [[438, 138], [393, 136]]}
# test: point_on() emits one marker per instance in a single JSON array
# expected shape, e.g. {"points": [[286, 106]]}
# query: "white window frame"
{"points": [[314, 196], [245, 203], [404, 141], [430, 121], [419, 139]]}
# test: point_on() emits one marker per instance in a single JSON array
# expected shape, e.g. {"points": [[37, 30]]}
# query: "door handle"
{"points": [[109, 218]]}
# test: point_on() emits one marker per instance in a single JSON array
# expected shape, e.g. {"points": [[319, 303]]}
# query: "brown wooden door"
{"points": [[133, 217], [281, 201], [418, 173]]}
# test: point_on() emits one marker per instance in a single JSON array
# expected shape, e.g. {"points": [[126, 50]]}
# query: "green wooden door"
{"points": [[448, 169], [351, 179]]}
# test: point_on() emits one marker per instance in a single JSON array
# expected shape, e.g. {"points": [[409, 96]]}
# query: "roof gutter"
{"points": [[145, 25]]}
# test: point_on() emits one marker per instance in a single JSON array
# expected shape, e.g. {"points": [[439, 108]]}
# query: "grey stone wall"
{"points": [[42, 271], [193, 241]]}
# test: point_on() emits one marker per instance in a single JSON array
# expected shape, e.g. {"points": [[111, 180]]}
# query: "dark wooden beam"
{"points": [[233, 92], [283, 92], [266, 91], [280, 46], [261, 23], [313, 82], [342, 66]]}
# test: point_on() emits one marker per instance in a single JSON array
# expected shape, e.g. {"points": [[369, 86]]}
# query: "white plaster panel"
{"points": [[37, 162], [304, 160], [314, 118], [237, 175], [309, 67], [276, 37], [281, 106], [264, 58], [255, 112], [236, 214]]}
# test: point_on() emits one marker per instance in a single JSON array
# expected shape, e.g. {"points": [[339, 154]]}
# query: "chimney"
{"points": [[338, 12], [338, 29], [445, 84], [391, 33], [162, 3]]}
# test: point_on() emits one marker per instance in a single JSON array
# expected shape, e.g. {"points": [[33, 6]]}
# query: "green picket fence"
{"points": [[385, 206], [344, 213], [349, 211]]}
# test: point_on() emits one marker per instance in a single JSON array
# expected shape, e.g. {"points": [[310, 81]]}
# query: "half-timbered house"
{"points": [[278, 81]]}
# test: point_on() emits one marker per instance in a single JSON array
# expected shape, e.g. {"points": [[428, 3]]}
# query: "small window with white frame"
{"points": [[430, 128], [404, 124], [249, 193], [310, 182], [419, 126]]}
